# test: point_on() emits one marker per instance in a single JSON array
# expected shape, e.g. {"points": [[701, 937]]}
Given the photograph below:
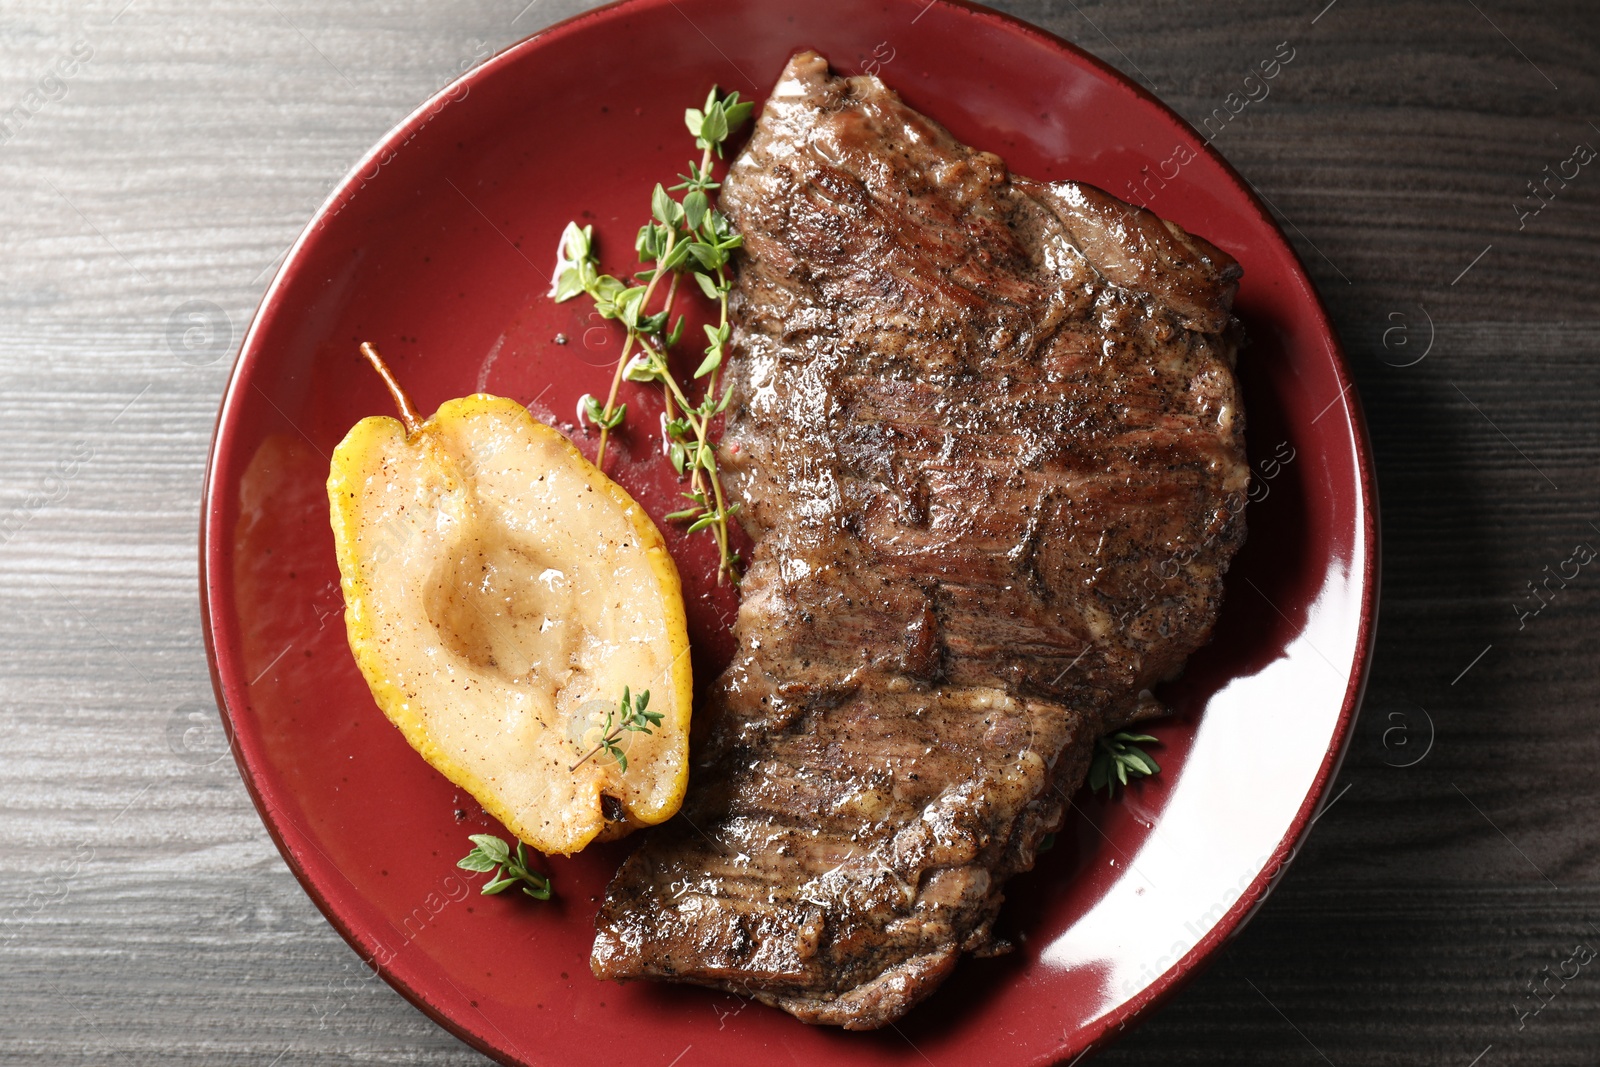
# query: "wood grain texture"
{"points": [[145, 918]]}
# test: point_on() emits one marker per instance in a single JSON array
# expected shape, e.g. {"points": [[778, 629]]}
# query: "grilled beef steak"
{"points": [[988, 440]]}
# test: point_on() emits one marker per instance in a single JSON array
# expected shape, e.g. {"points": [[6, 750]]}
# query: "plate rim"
{"points": [[1250, 901]]}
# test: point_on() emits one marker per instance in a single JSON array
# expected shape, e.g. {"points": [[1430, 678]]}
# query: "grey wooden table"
{"points": [[159, 153]]}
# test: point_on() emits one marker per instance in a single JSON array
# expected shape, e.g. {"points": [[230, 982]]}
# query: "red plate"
{"points": [[438, 247]]}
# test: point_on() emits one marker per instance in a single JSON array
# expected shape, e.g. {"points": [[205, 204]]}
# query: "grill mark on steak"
{"points": [[991, 451]]}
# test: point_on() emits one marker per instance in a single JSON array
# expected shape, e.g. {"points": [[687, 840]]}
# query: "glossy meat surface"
{"points": [[989, 441]]}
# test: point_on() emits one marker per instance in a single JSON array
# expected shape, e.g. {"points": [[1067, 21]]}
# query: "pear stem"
{"points": [[408, 414]]}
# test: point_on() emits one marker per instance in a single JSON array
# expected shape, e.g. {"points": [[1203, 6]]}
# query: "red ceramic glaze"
{"points": [[438, 247]]}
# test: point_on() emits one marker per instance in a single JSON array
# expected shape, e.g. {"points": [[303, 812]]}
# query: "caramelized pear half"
{"points": [[500, 592]]}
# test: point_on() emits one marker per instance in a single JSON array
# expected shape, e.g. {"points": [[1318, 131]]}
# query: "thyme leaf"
{"points": [[490, 853], [684, 236], [630, 716], [1119, 757]]}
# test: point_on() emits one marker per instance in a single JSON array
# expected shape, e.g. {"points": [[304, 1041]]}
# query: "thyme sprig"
{"points": [[629, 716], [490, 853], [684, 237], [1118, 757]]}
